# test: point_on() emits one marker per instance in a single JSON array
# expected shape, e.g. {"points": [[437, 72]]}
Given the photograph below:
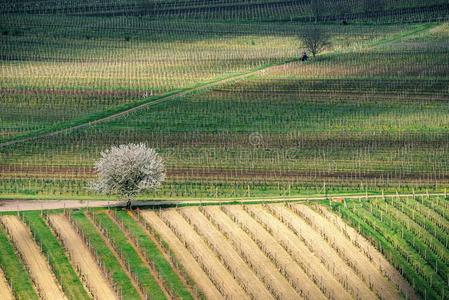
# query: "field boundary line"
{"points": [[33, 205]]}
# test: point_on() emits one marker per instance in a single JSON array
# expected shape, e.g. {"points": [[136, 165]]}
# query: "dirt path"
{"points": [[366, 269], [185, 258], [322, 249], [81, 256], [376, 256], [312, 265], [38, 266], [237, 266], [298, 278], [5, 290], [260, 263], [23, 205], [217, 271]]}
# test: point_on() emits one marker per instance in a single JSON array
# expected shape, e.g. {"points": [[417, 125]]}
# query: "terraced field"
{"points": [[274, 251]]}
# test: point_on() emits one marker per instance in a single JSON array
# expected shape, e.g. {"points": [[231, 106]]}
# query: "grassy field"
{"points": [[367, 115]]}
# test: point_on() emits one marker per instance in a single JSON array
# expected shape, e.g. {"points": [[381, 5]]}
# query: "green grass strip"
{"points": [[164, 269], [106, 256], [131, 257], [60, 264], [14, 270]]}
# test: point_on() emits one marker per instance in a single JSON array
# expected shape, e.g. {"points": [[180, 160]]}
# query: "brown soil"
{"points": [[312, 265], [84, 260], [5, 290], [326, 253], [199, 249], [366, 269], [260, 263], [232, 260], [377, 258], [185, 257], [298, 278], [38, 266]]}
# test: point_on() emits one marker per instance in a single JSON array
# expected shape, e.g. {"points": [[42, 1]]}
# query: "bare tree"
{"points": [[314, 39], [127, 170]]}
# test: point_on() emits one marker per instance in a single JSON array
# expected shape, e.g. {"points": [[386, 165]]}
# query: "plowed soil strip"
{"points": [[232, 259], [376, 256], [39, 269], [185, 257], [325, 251], [5, 290], [299, 279], [297, 249], [81, 256], [201, 250], [261, 264], [367, 270]]}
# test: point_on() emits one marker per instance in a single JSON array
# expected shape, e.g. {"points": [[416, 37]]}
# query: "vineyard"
{"points": [[411, 232], [285, 176], [368, 115], [396, 248]]}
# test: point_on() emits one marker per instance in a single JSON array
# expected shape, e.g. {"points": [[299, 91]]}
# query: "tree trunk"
{"points": [[129, 204]]}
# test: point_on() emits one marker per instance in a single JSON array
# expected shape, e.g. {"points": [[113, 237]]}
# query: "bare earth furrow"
{"points": [[299, 280], [323, 250], [218, 273], [232, 260], [185, 257], [370, 251], [38, 266], [260, 263], [5, 290], [365, 267], [84, 260], [299, 251]]}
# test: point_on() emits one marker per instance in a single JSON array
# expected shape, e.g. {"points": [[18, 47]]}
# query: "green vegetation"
{"points": [[152, 253], [107, 258], [59, 263], [15, 271], [369, 114], [129, 255], [411, 233]]}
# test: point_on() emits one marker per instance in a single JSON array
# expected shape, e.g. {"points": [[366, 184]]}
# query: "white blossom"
{"points": [[127, 170]]}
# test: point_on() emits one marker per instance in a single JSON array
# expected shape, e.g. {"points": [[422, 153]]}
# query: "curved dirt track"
{"points": [[38, 266], [5, 290], [81, 256]]}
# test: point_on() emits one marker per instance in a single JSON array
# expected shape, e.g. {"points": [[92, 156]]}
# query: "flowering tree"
{"points": [[127, 170]]}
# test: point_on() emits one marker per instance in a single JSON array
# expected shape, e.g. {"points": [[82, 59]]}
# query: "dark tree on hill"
{"points": [[314, 39]]}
